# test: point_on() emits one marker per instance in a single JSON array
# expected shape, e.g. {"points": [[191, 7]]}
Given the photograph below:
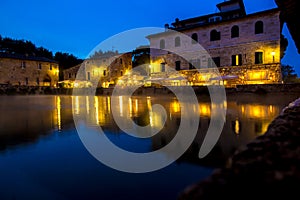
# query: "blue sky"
{"points": [[79, 26]]}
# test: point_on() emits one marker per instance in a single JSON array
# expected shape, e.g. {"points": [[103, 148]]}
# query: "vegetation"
{"points": [[288, 74], [22, 47]]}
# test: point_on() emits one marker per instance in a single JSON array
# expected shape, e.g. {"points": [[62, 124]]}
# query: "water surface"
{"points": [[42, 157]]}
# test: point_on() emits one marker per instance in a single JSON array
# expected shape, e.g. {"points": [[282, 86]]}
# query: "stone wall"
{"points": [[268, 168], [28, 72]]}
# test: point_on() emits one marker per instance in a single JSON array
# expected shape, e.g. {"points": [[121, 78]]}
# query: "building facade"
{"points": [[102, 71], [28, 70], [244, 48]]}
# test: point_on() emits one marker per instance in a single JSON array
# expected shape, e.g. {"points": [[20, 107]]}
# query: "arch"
{"points": [[194, 38], [259, 27], [235, 32], [215, 35]]}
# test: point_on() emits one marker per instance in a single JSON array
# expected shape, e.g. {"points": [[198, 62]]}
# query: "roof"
{"points": [[194, 24], [24, 57]]}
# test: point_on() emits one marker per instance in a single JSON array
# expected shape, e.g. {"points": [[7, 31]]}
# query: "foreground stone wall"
{"points": [[267, 168]]}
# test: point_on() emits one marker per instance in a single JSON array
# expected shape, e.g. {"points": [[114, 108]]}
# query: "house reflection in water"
{"points": [[244, 121]]}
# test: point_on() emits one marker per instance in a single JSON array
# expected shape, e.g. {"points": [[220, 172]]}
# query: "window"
{"points": [[162, 44], [70, 75], [194, 38], [26, 81], [50, 67], [23, 65], [104, 72], [235, 32], [215, 35], [121, 61], [258, 57], [40, 66], [89, 76], [236, 60], [178, 65], [163, 67], [216, 61], [259, 27], [121, 73], [177, 42], [37, 81]]}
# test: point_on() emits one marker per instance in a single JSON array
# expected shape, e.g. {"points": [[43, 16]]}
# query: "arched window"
{"points": [[177, 41], [162, 44], [259, 27], [215, 35], [235, 32], [194, 38]]}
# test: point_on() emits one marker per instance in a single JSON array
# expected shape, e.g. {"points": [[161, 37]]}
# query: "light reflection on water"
{"points": [[40, 150]]}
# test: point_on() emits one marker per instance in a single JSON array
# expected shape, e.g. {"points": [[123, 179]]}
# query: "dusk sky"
{"points": [[78, 26]]}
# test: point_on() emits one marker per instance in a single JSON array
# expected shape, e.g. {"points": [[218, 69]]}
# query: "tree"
{"points": [[288, 74]]}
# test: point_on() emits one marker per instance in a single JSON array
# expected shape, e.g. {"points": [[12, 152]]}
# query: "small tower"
{"points": [[236, 6]]}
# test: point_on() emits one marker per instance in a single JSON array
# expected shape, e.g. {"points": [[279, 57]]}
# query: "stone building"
{"points": [[28, 70], [101, 71], [245, 48]]}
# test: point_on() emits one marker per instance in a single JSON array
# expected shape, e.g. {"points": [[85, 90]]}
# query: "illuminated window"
{"points": [[162, 44], [258, 57], [236, 60], [235, 32], [178, 65], [259, 27], [195, 38], [177, 42], [215, 35]]}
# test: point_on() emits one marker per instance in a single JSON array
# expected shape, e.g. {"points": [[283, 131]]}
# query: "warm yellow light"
{"points": [[96, 109], [205, 109], [121, 105], [237, 60], [237, 127], [58, 108], [273, 53], [175, 107]]}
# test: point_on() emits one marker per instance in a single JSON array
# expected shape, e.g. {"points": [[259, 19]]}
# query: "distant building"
{"points": [[244, 48], [28, 70], [101, 71]]}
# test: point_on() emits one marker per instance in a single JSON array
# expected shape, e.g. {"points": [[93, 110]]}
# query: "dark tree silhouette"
{"points": [[288, 74]]}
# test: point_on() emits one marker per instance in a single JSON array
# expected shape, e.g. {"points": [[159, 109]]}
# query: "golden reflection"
{"points": [[237, 127], [205, 110], [96, 106], [58, 109], [149, 103], [258, 111], [156, 120], [87, 104], [108, 104], [130, 106], [136, 106], [75, 101], [175, 106], [121, 105]]}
